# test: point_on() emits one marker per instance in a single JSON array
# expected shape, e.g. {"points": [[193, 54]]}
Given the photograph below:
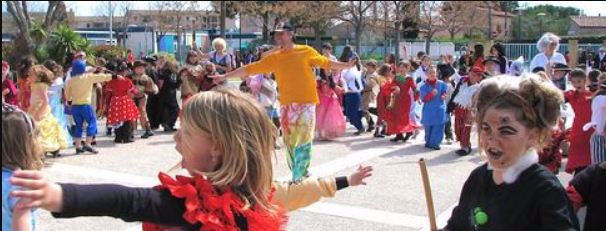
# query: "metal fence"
{"points": [[529, 50]]}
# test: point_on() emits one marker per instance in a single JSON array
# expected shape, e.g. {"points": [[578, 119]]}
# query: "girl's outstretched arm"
{"points": [[72, 200]]}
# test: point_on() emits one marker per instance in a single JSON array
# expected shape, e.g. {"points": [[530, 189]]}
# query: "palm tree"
{"points": [[64, 41]]}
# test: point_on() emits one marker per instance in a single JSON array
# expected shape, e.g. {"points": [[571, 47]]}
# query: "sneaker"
{"points": [[169, 129], [147, 134], [370, 128], [79, 151], [90, 149], [449, 141]]}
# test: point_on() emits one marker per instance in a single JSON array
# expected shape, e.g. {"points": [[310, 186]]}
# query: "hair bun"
{"points": [[544, 98]]}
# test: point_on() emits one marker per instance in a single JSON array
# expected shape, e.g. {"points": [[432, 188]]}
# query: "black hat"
{"points": [[560, 67], [283, 26], [150, 59], [139, 63], [491, 59]]}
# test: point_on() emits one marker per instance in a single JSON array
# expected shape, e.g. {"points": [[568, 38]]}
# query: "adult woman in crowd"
{"points": [[548, 46]]}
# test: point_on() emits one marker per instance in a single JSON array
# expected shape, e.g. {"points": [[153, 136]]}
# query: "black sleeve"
{"points": [[341, 182], [127, 203], [582, 181]]}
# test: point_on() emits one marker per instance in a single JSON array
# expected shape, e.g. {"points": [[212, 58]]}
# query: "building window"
{"points": [[187, 18], [88, 25], [135, 18]]}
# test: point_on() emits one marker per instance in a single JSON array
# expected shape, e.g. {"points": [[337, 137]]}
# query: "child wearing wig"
{"points": [[226, 142], [20, 150], [52, 133], [512, 191]]}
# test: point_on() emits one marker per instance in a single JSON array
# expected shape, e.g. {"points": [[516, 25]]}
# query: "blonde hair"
{"points": [[220, 41], [244, 134], [536, 101], [20, 142]]}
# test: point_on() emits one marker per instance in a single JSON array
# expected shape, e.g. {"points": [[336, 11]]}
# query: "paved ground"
{"points": [[392, 200]]}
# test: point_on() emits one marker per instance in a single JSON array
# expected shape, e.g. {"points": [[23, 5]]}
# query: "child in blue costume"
{"points": [[433, 94]]}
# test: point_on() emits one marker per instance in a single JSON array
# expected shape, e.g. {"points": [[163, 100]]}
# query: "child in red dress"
{"points": [[122, 108], [580, 100]]}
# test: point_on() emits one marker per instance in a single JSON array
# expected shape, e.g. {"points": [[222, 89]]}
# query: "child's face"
{"points": [[578, 83], [490, 66], [4, 73], [425, 62], [503, 138], [431, 74], [198, 152], [403, 69], [139, 70]]}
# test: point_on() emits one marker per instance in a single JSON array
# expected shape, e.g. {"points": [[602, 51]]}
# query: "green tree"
{"points": [[555, 20], [64, 41]]}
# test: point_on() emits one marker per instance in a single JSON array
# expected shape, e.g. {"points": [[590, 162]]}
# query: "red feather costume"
{"points": [[215, 210]]}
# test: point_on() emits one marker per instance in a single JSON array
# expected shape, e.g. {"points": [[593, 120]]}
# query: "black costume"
{"points": [[535, 201], [591, 185], [167, 98]]}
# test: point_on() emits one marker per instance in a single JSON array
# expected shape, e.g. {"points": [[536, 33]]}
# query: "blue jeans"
{"points": [[352, 109]]}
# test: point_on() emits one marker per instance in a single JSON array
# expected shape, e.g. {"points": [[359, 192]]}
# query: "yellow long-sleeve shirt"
{"points": [[293, 71], [295, 196], [79, 88]]}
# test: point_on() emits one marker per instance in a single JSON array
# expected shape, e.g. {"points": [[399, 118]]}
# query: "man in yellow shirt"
{"points": [[292, 66], [78, 94]]}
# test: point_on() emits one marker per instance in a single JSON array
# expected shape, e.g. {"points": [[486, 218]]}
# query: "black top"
{"points": [[134, 204], [591, 184], [535, 201]]}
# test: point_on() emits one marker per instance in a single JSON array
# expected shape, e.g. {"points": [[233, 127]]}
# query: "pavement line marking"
{"points": [[110, 176], [441, 220], [343, 163], [372, 215]]}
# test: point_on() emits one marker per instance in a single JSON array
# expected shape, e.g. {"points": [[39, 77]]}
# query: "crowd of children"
{"points": [[518, 122]]}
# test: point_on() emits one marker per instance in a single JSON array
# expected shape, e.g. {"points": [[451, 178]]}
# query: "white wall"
{"points": [[408, 49]]}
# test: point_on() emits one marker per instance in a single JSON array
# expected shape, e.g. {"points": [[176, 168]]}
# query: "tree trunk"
{"points": [[358, 36], [265, 27], [398, 37], [222, 19], [428, 44], [318, 36]]}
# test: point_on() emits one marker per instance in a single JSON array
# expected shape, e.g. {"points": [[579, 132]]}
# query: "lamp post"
{"points": [[520, 23], [541, 15]]}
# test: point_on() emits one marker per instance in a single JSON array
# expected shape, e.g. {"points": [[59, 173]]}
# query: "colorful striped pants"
{"points": [[298, 122]]}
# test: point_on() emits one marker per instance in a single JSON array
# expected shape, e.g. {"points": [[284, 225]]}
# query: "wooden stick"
{"points": [[428, 197]]}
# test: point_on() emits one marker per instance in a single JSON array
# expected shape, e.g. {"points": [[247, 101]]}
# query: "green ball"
{"points": [[481, 218]]}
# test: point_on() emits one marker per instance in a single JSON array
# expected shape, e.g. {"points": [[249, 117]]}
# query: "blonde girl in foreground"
{"points": [[226, 144]]}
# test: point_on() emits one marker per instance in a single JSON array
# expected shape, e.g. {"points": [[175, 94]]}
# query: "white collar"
{"points": [[512, 173]]}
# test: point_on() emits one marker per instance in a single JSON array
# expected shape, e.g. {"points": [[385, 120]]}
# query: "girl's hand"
{"points": [[358, 177], [36, 191]]}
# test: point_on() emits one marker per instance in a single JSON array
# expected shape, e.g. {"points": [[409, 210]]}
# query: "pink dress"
{"points": [[330, 122]]}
